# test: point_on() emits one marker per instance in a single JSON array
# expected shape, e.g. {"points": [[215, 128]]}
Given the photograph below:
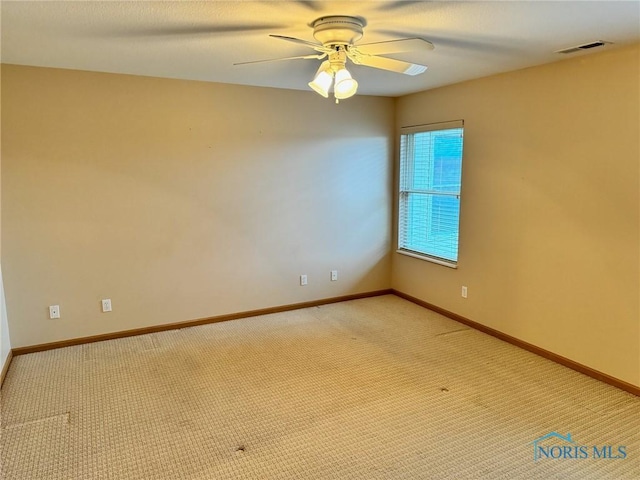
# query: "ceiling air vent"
{"points": [[585, 46]]}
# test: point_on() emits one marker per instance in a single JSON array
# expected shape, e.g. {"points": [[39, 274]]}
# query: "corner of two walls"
{"points": [[180, 200], [549, 234]]}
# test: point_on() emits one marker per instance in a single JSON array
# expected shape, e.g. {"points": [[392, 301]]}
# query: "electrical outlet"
{"points": [[106, 305], [303, 280], [334, 275], [464, 292], [54, 311]]}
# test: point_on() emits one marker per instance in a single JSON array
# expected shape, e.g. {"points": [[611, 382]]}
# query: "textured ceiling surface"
{"points": [[202, 40]]}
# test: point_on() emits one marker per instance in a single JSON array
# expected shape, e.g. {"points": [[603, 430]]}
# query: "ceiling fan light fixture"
{"points": [[338, 37], [321, 83], [345, 86]]}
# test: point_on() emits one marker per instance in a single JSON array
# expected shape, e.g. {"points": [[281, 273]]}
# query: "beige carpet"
{"points": [[368, 389]]}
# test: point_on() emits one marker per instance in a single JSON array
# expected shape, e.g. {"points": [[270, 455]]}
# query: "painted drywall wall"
{"points": [[549, 235], [181, 200]]}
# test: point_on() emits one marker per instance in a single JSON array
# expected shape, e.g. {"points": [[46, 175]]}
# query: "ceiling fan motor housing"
{"points": [[337, 30]]}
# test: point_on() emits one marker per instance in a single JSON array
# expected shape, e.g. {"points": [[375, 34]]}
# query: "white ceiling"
{"points": [[202, 40]]}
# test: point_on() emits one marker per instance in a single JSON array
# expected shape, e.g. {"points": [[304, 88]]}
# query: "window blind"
{"points": [[430, 185]]}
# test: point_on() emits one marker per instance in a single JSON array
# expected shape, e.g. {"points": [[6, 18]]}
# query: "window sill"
{"points": [[438, 261]]}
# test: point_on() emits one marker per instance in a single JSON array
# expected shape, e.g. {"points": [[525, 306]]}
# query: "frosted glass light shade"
{"points": [[345, 86], [321, 83]]}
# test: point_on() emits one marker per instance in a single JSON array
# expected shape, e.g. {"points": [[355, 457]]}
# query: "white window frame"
{"points": [[403, 193]]}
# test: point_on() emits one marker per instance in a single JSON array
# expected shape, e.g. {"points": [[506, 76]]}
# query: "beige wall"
{"points": [[549, 238], [180, 200]]}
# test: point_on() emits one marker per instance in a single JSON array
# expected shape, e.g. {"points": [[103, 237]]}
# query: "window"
{"points": [[430, 180]]}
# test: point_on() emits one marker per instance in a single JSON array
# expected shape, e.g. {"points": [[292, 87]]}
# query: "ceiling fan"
{"points": [[338, 35]]}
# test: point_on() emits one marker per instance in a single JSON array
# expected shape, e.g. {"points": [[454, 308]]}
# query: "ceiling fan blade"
{"points": [[389, 64], [389, 6], [486, 44], [315, 46], [303, 57], [187, 30], [311, 5], [395, 46]]}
